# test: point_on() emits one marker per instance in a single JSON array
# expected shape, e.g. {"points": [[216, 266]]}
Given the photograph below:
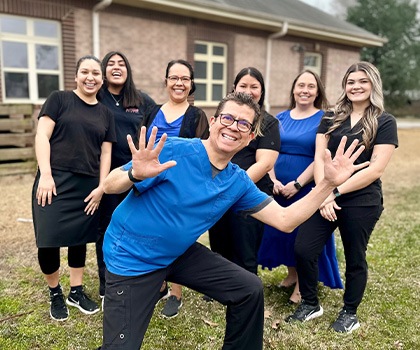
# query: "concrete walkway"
{"points": [[408, 124]]}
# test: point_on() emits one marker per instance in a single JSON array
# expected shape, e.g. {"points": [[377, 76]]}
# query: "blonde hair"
{"points": [[344, 106]]}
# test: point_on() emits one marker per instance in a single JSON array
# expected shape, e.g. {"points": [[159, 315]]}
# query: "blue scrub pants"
{"points": [[356, 225], [130, 301]]}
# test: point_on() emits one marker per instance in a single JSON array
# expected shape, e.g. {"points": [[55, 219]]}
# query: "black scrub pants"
{"points": [[356, 225], [238, 239], [130, 301]]}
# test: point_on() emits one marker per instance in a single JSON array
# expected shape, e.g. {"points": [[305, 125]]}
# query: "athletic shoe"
{"points": [[164, 294], [305, 312], [102, 301], [58, 308], [79, 299], [171, 307], [207, 299], [345, 322]]}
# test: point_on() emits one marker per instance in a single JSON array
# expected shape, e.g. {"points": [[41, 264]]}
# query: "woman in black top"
{"points": [[356, 205], [128, 106], [73, 149], [235, 237]]}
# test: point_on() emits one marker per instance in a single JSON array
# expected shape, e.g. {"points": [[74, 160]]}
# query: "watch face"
{"points": [[297, 185]]}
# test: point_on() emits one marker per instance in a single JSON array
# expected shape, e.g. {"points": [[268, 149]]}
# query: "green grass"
{"points": [[389, 313]]}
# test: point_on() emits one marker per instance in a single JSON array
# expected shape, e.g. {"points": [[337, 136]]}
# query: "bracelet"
{"points": [[131, 177], [336, 192], [297, 185]]}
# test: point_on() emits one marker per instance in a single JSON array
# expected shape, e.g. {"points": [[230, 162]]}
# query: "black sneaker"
{"points": [[164, 294], [345, 322], [171, 307], [305, 312], [207, 299], [79, 299], [58, 308]]}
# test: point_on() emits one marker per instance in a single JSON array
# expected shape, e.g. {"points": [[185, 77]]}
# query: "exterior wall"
{"points": [[339, 60], [82, 34], [149, 45]]}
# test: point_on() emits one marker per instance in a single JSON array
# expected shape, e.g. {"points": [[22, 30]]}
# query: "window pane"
{"points": [[46, 57], [47, 29], [17, 85], [200, 71], [217, 93], [310, 61], [217, 71], [15, 55], [200, 92], [218, 50], [47, 84], [200, 48], [13, 25]]}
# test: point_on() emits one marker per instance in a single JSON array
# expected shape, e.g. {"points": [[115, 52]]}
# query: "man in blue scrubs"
{"points": [[180, 188]]}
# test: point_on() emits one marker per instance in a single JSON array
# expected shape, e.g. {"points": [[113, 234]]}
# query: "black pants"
{"points": [[238, 239], [356, 225], [49, 258], [108, 204], [130, 301]]}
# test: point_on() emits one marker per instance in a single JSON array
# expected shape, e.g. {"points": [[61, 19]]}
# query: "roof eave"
{"points": [[234, 16]]}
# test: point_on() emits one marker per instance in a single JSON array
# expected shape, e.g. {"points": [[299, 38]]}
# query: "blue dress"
{"points": [[296, 154]]}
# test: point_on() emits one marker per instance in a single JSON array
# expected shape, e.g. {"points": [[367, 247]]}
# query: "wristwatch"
{"points": [[336, 192], [131, 177], [297, 185]]}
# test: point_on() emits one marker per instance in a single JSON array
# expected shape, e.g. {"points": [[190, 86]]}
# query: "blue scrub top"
{"points": [[163, 216]]}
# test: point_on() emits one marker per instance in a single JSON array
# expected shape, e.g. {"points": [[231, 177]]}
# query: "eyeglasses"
{"points": [[242, 125], [174, 79]]}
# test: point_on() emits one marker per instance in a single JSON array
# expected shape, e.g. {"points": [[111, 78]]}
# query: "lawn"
{"points": [[389, 314]]}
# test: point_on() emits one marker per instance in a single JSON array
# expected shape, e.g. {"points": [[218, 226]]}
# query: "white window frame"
{"points": [[31, 40], [318, 59], [209, 58]]}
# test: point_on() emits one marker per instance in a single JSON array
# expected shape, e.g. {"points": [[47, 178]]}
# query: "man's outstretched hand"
{"points": [[145, 160], [339, 169]]}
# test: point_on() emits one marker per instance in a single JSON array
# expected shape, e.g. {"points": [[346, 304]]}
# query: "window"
{"points": [[313, 61], [210, 66], [31, 59]]}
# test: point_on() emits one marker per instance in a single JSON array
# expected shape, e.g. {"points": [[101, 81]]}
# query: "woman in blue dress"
{"points": [[293, 178]]}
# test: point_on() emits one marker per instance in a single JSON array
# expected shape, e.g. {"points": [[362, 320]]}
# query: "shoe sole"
{"points": [[58, 319], [86, 312], [172, 316], [319, 313]]}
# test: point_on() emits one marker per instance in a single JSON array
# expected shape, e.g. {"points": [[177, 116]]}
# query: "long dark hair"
{"points": [[255, 73], [321, 101], [131, 96], [186, 64]]}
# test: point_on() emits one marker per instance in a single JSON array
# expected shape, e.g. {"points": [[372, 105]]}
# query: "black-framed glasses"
{"points": [[174, 79], [241, 124]]}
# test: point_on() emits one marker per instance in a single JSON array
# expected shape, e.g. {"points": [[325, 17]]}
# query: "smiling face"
{"points": [[89, 77], [305, 90], [250, 86], [358, 88], [228, 140], [116, 72], [178, 91]]}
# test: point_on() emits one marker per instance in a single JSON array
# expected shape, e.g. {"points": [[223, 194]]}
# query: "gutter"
{"points": [[268, 60], [95, 24]]}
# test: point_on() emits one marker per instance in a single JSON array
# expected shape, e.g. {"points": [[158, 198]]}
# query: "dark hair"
{"points": [[186, 64], [84, 58], [255, 73], [241, 99], [321, 101], [131, 96]]}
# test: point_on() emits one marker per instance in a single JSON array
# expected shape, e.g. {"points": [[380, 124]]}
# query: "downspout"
{"points": [[270, 39], [95, 24]]}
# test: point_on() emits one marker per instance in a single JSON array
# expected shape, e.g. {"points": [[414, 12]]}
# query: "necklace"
{"points": [[117, 102]]}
